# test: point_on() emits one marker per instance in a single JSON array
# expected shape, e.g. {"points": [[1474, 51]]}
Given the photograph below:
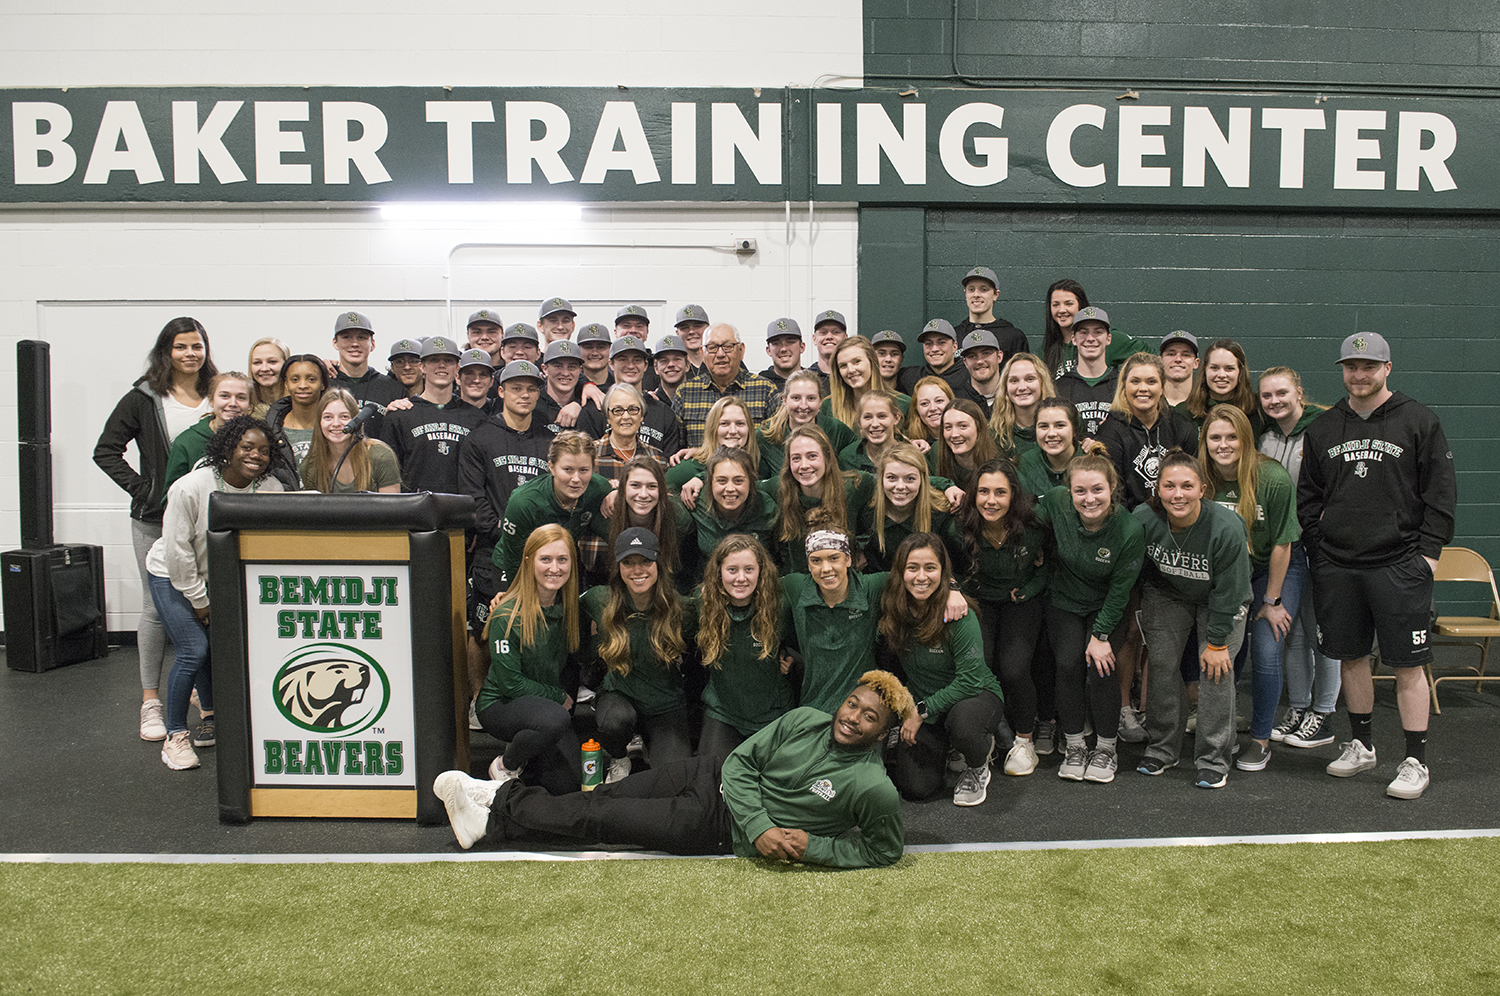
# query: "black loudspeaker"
{"points": [[34, 431], [54, 606]]}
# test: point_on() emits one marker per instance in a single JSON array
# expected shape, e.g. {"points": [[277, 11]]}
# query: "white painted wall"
{"points": [[98, 284]]}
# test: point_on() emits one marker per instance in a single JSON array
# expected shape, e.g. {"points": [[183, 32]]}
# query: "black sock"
{"points": [[1416, 744], [1359, 723]]}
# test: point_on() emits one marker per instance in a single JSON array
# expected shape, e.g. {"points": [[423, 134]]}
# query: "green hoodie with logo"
{"points": [[1207, 563], [653, 686], [517, 671]]}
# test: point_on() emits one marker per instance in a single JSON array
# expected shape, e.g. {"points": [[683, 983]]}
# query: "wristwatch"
{"points": [[1271, 601], [922, 709]]}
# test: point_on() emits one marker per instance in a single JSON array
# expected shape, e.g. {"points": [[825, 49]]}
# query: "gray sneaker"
{"points": [[1101, 766], [972, 787], [1131, 730], [619, 768], [1043, 738], [1075, 762], [1356, 757], [1410, 782]]}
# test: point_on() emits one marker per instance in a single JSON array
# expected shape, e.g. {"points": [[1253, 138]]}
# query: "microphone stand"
{"points": [[333, 479]]}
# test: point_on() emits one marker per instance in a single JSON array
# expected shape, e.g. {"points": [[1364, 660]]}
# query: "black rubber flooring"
{"points": [[79, 780]]}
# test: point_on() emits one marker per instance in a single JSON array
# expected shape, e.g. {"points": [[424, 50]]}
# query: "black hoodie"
{"points": [[1375, 492], [1136, 451]]}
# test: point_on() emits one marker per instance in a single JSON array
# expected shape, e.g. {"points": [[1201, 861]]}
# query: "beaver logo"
{"points": [[331, 688]]}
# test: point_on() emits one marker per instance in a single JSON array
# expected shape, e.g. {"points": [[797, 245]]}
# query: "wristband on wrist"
{"points": [[1217, 649]]}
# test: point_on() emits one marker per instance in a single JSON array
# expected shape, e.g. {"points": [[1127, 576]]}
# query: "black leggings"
{"points": [[1009, 630], [718, 740], [619, 719], [917, 770], [540, 739], [672, 807], [1081, 689]]}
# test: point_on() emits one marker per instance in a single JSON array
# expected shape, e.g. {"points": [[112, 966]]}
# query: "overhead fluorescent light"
{"points": [[465, 212]]}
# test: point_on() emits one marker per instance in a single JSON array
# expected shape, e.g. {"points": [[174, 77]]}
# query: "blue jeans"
{"points": [[1266, 651], [190, 669], [1312, 680]]}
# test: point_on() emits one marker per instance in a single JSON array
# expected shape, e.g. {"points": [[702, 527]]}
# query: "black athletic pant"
{"points": [[917, 770], [1081, 689], [540, 740], [1009, 630], [674, 807], [666, 735], [718, 740]]}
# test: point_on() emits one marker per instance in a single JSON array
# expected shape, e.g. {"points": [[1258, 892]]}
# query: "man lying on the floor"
{"points": [[791, 791]]}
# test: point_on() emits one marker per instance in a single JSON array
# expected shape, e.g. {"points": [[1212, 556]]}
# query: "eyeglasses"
{"points": [[628, 410], [720, 347]]}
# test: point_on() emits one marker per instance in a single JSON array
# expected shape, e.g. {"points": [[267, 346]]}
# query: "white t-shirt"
{"points": [[179, 416]]}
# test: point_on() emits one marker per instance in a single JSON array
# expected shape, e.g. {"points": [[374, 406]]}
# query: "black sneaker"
{"points": [[1255, 757], [205, 734], [1154, 766], [1210, 779], [1315, 731], [1290, 724]]}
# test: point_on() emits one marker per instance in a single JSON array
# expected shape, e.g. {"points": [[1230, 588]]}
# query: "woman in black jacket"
{"points": [[171, 396]]}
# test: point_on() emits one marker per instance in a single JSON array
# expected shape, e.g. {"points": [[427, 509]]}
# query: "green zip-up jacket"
{"points": [[950, 672], [1022, 441], [759, 519], [792, 775], [517, 671], [1275, 511], [743, 691], [1091, 571], [1037, 475], [1207, 563], [653, 686], [533, 505], [773, 455], [837, 642], [999, 570]]}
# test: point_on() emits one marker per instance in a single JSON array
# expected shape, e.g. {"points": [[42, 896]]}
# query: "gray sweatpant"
{"points": [[1165, 625]]}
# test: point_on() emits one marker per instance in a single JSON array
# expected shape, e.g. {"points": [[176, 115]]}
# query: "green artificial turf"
{"points": [[1410, 918]]}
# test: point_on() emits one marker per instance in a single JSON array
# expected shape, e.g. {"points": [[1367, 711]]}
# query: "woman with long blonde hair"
{"points": [[813, 493], [924, 416], [267, 354], [906, 502], [533, 627], [729, 423], [369, 465], [800, 401], [856, 370], [1024, 382]]}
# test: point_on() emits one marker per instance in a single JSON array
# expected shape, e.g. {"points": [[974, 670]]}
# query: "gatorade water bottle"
{"points": [[593, 771]]}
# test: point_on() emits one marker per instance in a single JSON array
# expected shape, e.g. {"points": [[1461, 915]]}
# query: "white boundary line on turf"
{"points": [[1020, 845]]}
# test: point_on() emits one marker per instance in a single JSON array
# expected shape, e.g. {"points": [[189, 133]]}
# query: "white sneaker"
{"points": [[468, 816], [973, 786], [1410, 782], [619, 767], [177, 753], [1356, 757], [153, 725], [636, 747], [1021, 759], [474, 723], [499, 773]]}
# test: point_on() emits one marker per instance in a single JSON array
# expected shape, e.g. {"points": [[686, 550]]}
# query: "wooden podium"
{"points": [[339, 652]]}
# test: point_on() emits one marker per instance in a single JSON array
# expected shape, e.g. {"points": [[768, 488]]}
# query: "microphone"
{"points": [[355, 424]]}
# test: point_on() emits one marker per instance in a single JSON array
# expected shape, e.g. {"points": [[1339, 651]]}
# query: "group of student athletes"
{"points": [[671, 552]]}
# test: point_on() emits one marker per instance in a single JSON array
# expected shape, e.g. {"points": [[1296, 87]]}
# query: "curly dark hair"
{"points": [[222, 446]]}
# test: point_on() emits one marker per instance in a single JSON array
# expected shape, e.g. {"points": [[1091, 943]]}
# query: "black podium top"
{"points": [[308, 510]]}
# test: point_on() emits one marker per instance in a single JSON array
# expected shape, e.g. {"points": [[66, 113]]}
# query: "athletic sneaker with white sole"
{"points": [[619, 767], [1356, 757], [1289, 724], [153, 723], [1410, 782], [973, 786], [1043, 738], [1101, 767], [1021, 758], [177, 753], [1131, 730], [1211, 779], [467, 814], [1314, 731], [499, 772], [1075, 762]]}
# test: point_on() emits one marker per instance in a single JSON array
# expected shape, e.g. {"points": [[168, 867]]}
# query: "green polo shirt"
{"points": [[837, 642]]}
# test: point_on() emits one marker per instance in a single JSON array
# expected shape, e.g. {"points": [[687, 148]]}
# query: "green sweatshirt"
{"points": [[653, 686], [792, 775], [685, 471], [859, 492], [1092, 571], [837, 642], [758, 518], [1037, 475], [950, 672], [517, 671], [1022, 441], [999, 570], [533, 505], [773, 455], [1205, 564], [743, 691], [1275, 510], [188, 448]]}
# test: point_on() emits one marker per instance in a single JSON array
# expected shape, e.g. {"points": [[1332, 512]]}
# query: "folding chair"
{"points": [[1459, 563]]}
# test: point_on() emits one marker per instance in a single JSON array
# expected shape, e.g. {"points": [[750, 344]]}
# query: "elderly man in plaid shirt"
{"points": [[723, 374]]}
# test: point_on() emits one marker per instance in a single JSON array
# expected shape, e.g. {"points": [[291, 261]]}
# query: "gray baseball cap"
{"points": [[411, 347], [475, 358], [1091, 314], [886, 335], [486, 315], [627, 344], [981, 273], [781, 327], [352, 320], [637, 540], [594, 332], [829, 316], [440, 345], [562, 349], [632, 311], [1171, 337], [690, 313], [553, 305], [939, 325], [978, 339], [520, 331], [669, 344], [521, 368], [1366, 346]]}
